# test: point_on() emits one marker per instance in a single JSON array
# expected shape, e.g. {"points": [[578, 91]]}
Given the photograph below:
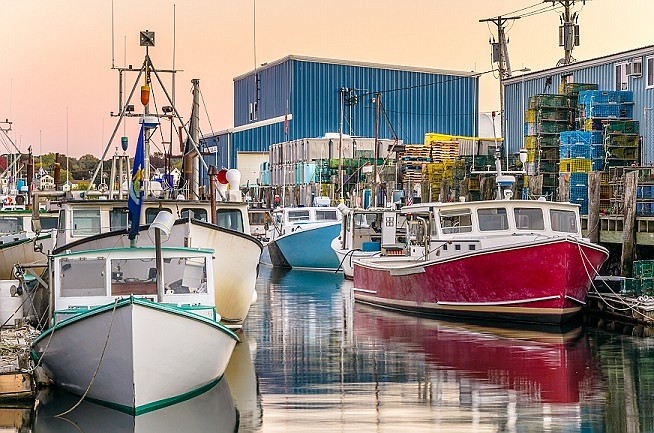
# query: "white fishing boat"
{"points": [[367, 233], [19, 243], [99, 224], [301, 237], [134, 328]]}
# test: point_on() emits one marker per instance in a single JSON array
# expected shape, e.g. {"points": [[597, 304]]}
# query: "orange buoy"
{"points": [[145, 94]]}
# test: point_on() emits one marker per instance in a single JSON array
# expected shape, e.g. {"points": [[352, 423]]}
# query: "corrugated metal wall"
{"points": [[415, 103], [602, 73]]}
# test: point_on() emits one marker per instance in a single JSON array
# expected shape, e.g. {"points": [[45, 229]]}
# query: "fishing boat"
{"points": [[134, 328], [300, 237], [366, 233], [260, 220], [99, 224], [19, 243], [503, 259]]}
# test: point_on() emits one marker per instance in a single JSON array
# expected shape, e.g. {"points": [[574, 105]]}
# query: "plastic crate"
{"points": [[546, 100], [624, 126], [606, 110], [579, 179], [581, 137], [583, 203], [567, 151], [598, 164], [643, 269], [578, 192], [597, 151], [575, 165], [605, 192], [643, 208], [605, 96]]}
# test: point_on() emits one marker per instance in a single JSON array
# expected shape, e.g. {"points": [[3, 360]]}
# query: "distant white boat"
{"points": [[111, 339]]}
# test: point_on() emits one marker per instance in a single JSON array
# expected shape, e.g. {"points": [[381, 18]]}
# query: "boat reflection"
{"points": [[243, 383], [212, 411], [541, 365]]}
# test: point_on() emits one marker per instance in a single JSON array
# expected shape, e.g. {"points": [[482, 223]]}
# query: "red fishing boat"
{"points": [[515, 260]]}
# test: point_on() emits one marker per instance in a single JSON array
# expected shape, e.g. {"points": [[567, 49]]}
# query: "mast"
{"points": [[376, 152], [340, 148]]}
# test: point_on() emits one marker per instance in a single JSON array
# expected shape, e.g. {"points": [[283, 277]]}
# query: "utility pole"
{"points": [[501, 57], [568, 30]]}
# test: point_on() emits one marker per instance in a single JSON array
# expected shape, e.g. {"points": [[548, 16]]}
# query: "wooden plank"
{"points": [[15, 386], [594, 182], [629, 230], [564, 188]]}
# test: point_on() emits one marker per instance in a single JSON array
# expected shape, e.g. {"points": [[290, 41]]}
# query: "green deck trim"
{"points": [[106, 252], [168, 308], [160, 404]]}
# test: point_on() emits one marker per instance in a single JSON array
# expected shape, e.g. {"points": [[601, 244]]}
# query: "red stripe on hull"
{"points": [[539, 282]]}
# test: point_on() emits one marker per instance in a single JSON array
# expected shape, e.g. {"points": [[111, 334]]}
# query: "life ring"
{"points": [[8, 200], [296, 228]]}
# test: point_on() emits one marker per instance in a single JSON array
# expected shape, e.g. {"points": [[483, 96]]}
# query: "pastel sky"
{"points": [[58, 88]]}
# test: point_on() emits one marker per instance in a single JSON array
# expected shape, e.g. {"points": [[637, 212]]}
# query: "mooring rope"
{"points": [[106, 342]]}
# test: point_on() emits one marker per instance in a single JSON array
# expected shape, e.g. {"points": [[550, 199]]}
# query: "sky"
{"points": [[57, 86]]}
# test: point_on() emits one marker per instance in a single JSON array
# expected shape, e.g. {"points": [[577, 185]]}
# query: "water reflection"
{"points": [[212, 411]]}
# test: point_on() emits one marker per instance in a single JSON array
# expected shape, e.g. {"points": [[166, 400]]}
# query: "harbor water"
{"points": [[312, 360]]}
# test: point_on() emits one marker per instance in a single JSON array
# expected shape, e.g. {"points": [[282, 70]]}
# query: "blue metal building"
{"points": [[299, 97], [630, 70]]}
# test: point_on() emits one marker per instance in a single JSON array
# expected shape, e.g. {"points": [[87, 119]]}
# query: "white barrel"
{"points": [[9, 304]]}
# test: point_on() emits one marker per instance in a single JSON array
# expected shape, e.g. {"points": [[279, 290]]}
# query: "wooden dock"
{"points": [[16, 378]]}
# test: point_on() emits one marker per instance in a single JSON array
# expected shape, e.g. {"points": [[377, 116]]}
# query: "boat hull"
{"points": [[537, 282], [156, 355], [308, 248], [346, 257], [19, 251], [235, 267]]}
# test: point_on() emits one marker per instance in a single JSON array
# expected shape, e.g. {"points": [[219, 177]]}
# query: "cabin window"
{"points": [[529, 219], [185, 275], [458, 221], [650, 72], [230, 219], [62, 221], [196, 213], [10, 225], [86, 222], [563, 221], [258, 218], [326, 215], [152, 212], [298, 215], [621, 76], [82, 278], [367, 221], [48, 223], [118, 218], [133, 277], [492, 219]]}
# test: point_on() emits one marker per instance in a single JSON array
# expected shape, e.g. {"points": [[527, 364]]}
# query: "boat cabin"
{"points": [[20, 221], [87, 279], [374, 229], [288, 219], [444, 229], [82, 218], [260, 220]]}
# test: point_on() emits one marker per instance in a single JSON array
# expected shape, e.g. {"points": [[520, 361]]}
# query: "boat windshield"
{"points": [[492, 219], [230, 219], [298, 215], [326, 215], [455, 221], [48, 223], [368, 221], [11, 224], [79, 278], [86, 222], [529, 218], [195, 213], [563, 220], [138, 276]]}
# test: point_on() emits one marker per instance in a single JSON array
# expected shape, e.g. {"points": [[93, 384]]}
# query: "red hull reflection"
{"points": [[550, 367]]}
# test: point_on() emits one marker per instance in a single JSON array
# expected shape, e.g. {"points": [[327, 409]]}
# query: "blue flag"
{"points": [[136, 187]]}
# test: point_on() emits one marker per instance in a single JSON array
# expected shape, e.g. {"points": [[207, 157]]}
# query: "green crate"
{"points": [[545, 100], [624, 126], [630, 287], [626, 140], [644, 269], [575, 88]]}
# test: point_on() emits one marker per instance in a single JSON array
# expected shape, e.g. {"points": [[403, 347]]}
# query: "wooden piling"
{"points": [[536, 185], [594, 181], [628, 231], [463, 189], [564, 188]]}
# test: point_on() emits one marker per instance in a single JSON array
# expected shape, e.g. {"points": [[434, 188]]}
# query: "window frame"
{"points": [[506, 219], [649, 72]]}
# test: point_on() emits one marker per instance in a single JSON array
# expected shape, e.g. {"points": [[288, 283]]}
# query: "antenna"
{"points": [[67, 156], [113, 50]]}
